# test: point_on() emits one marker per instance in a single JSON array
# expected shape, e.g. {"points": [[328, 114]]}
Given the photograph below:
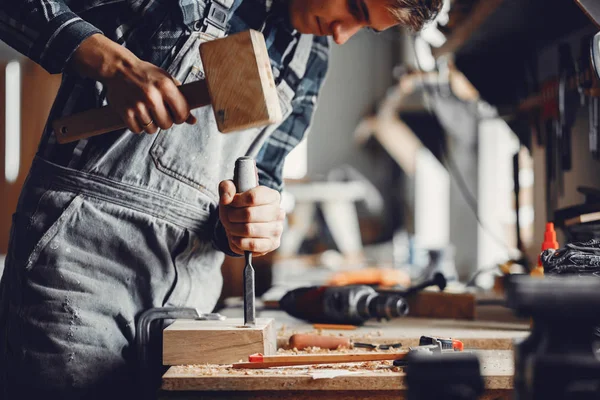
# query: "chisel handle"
{"points": [[105, 119], [303, 341], [245, 175]]}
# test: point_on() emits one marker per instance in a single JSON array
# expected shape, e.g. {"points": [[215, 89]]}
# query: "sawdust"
{"points": [[379, 367], [383, 367]]}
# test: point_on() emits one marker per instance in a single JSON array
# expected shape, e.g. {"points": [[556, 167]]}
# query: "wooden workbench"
{"points": [[492, 341], [299, 382]]}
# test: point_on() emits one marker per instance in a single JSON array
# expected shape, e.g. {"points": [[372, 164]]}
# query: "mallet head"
{"points": [[240, 82]]}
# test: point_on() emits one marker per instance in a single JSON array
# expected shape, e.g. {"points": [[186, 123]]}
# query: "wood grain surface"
{"points": [[496, 368], [217, 342], [240, 81]]}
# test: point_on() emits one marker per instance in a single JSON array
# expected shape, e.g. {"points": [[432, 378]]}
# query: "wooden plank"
{"points": [[442, 305], [496, 368], [217, 342], [311, 395], [481, 11], [310, 359]]}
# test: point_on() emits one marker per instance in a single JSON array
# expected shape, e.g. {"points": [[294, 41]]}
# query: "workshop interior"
{"points": [[441, 237]]}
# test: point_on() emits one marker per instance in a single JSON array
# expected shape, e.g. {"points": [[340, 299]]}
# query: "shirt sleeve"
{"points": [[46, 31], [291, 131]]}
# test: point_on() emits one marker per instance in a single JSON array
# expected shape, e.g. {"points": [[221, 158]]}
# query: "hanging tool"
{"points": [[245, 178], [568, 102], [301, 341], [586, 85]]}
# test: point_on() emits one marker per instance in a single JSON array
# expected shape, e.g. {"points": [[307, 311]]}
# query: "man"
{"points": [[114, 225]]}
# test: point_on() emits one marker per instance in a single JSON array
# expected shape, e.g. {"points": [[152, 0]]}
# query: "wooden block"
{"points": [[188, 342], [243, 93], [442, 305]]}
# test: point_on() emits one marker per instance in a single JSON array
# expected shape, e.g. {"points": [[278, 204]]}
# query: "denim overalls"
{"points": [[93, 247]]}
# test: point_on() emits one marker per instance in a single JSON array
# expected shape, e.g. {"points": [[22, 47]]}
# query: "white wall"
{"points": [[360, 72]]}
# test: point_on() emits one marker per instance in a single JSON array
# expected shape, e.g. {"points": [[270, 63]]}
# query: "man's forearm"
{"points": [[100, 58]]}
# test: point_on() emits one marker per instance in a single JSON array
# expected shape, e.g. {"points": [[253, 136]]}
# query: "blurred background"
{"points": [[427, 152]]}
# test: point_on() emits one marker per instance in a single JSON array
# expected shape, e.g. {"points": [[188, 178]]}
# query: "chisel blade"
{"points": [[249, 307]]}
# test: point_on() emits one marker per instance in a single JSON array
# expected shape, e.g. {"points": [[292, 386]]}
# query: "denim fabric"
{"points": [[92, 248], [49, 31]]}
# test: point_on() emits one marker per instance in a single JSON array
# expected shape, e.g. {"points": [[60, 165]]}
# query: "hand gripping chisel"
{"points": [[245, 178]]}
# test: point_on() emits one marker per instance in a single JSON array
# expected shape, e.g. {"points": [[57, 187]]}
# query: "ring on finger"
{"points": [[148, 124]]}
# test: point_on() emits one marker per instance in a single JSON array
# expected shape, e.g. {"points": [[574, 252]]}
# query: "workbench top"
{"points": [[496, 368], [491, 341]]}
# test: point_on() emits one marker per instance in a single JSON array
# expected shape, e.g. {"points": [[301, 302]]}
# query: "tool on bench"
{"points": [[148, 343], [245, 178], [342, 304], [443, 376], [444, 343], [433, 345], [558, 359], [568, 102], [353, 304], [258, 361], [301, 341], [241, 91]]}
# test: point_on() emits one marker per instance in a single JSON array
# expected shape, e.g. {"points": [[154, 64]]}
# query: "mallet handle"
{"points": [[102, 120]]}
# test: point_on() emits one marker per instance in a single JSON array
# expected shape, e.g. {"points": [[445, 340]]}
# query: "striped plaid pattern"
{"points": [[49, 31]]}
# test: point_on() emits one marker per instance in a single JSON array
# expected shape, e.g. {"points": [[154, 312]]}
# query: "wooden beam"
{"points": [[482, 10]]}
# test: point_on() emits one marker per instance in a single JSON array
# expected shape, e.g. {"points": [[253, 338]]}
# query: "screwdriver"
{"points": [[245, 177]]}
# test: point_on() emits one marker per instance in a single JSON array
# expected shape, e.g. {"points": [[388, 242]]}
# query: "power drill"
{"points": [[352, 305]]}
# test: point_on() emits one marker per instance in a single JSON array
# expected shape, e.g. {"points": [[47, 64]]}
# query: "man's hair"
{"points": [[414, 14]]}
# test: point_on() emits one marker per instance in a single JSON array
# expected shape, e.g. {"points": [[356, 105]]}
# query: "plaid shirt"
{"points": [[49, 31]]}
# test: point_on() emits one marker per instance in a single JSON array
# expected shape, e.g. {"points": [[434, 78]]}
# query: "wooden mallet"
{"points": [[239, 85]]}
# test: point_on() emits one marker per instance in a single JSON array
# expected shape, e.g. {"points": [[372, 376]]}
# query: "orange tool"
{"points": [[549, 243], [386, 277], [302, 341]]}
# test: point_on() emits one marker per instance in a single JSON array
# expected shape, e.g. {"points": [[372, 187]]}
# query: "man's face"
{"points": [[340, 18]]}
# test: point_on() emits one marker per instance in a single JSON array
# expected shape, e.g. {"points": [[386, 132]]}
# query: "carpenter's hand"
{"points": [[147, 98], [144, 95], [253, 220]]}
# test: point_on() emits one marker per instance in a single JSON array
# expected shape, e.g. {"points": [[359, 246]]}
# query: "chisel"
{"points": [[245, 177]]}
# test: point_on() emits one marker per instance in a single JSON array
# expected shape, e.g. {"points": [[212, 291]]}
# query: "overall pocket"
{"points": [[42, 217]]}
